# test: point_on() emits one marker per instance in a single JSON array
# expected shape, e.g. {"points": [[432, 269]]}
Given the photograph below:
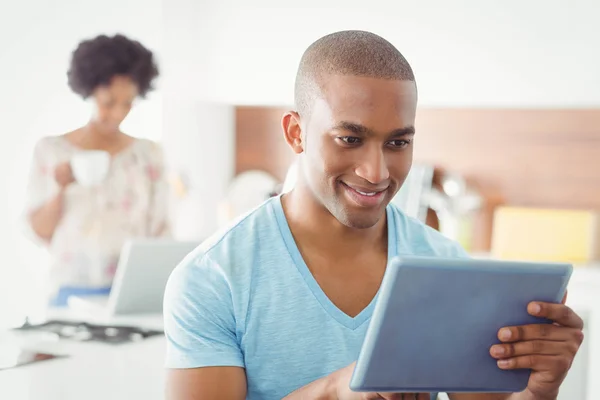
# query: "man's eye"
{"points": [[399, 143], [349, 139]]}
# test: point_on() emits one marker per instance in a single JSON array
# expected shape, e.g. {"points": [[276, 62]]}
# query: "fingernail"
{"points": [[505, 334], [498, 350], [536, 308], [503, 363]]}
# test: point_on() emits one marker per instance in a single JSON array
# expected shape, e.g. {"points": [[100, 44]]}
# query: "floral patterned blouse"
{"points": [[96, 221]]}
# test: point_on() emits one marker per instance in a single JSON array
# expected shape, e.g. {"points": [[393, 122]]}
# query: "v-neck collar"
{"points": [[337, 314]]}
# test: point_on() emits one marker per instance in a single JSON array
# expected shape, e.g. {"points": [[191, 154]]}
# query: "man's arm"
{"points": [[203, 358], [337, 387], [211, 383], [491, 396], [321, 389]]}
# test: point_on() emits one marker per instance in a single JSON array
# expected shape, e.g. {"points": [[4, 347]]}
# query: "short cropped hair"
{"points": [[356, 53]]}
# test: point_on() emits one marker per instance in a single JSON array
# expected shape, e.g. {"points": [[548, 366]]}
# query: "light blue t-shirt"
{"points": [[246, 298]]}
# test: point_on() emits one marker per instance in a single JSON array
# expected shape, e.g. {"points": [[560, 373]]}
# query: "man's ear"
{"points": [[292, 131]]}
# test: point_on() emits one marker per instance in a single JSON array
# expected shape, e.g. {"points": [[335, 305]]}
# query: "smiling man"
{"points": [[277, 305]]}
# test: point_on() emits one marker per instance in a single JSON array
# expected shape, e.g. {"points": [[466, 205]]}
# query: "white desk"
{"points": [[94, 371]]}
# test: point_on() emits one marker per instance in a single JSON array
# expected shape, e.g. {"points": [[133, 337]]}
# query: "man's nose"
{"points": [[373, 167]]}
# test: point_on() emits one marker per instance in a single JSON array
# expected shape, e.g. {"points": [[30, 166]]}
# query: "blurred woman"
{"points": [[84, 224]]}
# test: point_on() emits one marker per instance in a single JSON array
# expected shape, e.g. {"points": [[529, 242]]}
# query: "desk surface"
{"points": [[93, 371]]}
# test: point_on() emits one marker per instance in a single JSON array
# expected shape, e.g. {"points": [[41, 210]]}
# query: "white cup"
{"points": [[90, 167]]}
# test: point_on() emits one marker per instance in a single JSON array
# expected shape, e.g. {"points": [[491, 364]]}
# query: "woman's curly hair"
{"points": [[96, 61]]}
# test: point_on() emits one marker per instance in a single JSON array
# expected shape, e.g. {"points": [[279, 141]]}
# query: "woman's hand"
{"points": [[64, 175]]}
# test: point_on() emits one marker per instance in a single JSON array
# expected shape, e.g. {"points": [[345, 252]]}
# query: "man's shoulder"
{"points": [[225, 262], [413, 237], [244, 231], [235, 242]]}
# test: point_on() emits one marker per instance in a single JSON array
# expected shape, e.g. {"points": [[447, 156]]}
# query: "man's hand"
{"points": [[547, 349], [342, 382]]}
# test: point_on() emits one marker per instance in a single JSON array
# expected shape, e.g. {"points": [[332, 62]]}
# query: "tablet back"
{"points": [[436, 319]]}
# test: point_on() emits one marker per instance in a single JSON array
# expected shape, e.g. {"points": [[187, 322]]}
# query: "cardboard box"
{"points": [[535, 234]]}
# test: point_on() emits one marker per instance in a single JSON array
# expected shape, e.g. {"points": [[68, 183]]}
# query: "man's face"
{"points": [[358, 146]]}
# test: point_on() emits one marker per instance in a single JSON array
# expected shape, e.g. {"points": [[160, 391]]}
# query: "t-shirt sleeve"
{"points": [[200, 323], [41, 185]]}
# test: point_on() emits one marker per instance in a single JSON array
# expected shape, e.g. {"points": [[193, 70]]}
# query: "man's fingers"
{"points": [[537, 363], [405, 396], [547, 332], [416, 396], [534, 347], [419, 396], [559, 313]]}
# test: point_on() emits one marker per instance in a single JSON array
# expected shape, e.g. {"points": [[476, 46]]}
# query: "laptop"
{"points": [[140, 280]]}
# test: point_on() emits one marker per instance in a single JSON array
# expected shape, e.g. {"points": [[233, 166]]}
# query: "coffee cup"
{"points": [[90, 167]]}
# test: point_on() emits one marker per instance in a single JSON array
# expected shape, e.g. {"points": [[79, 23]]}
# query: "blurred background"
{"points": [[508, 128]]}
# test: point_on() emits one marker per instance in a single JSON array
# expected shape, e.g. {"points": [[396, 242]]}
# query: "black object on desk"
{"points": [[85, 332]]}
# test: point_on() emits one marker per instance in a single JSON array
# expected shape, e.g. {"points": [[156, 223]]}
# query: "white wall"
{"points": [[36, 39], [535, 53], [200, 145], [198, 135]]}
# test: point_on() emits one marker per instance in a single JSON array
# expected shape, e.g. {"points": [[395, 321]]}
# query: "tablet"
{"points": [[435, 320]]}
